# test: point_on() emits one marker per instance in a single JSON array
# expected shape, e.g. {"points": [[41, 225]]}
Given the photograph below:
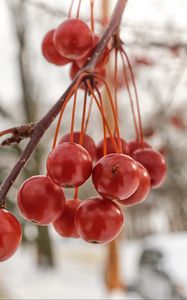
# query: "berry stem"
{"points": [[63, 109], [115, 79], [42, 125], [81, 140], [113, 111], [136, 95], [104, 126], [70, 9], [92, 25], [105, 12], [59, 122], [103, 116], [89, 113], [78, 9], [73, 116], [115, 83], [130, 97], [76, 193]]}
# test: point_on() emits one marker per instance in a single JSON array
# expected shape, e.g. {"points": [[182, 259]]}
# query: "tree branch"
{"points": [[17, 134], [42, 125]]}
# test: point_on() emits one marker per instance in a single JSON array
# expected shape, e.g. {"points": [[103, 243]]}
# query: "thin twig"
{"points": [[17, 134]]}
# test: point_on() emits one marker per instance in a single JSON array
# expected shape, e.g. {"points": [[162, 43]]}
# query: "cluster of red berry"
{"points": [[122, 173], [73, 42], [125, 178], [119, 178]]}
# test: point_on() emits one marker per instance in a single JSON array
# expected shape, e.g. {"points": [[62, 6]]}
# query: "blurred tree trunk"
{"points": [[45, 253], [113, 277], [29, 108]]}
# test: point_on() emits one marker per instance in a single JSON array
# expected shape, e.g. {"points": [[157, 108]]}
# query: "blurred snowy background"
{"points": [[153, 245]]}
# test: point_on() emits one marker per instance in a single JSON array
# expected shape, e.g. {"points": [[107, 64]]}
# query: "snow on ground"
{"points": [[80, 268], [78, 274]]}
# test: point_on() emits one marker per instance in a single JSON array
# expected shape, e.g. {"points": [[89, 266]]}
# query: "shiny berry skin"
{"points": [[98, 220], [110, 147], [88, 142], [49, 51], [69, 165], [134, 145], [143, 189], [116, 176], [40, 200], [10, 234], [102, 61], [73, 39], [65, 224], [101, 72], [155, 164]]}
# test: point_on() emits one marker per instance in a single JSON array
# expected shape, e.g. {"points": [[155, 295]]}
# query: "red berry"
{"points": [[102, 61], [49, 51], [101, 72], [10, 234], [175, 50], [142, 191], [134, 145], [178, 121], [148, 132], [110, 147], [98, 220], [40, 200], [65, 224], [69, 165], [88, 142], [73, 39], [143, 60], [155, 164], [116, 176]]}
